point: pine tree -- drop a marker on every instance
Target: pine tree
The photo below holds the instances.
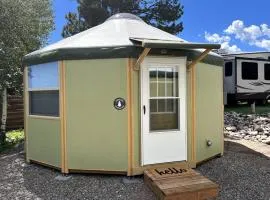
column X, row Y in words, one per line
column 163, row 14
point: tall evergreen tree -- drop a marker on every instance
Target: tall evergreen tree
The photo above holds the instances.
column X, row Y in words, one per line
column 163, row 14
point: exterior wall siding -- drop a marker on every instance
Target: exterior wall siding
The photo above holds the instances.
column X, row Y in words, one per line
column 97, row 133
column 209, row 110
column 44, row 141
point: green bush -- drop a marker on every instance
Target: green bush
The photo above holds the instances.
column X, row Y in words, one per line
column 15, row 136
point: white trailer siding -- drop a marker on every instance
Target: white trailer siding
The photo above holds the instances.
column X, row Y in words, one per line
column 229, row 79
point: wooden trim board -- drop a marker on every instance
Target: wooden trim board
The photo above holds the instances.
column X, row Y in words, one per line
column 62, row 103
column 130, row 116
column 44, row 164
column 193, row 111
column 141, row 58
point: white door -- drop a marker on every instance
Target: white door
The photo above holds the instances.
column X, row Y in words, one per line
column 163, row 114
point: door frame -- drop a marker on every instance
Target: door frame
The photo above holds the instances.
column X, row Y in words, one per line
column 162, row 60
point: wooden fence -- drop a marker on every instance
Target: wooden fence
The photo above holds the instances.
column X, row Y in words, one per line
column 15, row 114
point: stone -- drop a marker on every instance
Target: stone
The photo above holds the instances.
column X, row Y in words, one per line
column 249, row 127
column 247, row 137
column 131, row 180
column 62, row 177
column 259, row 129
column 231, row 128
column 253, row 133
column 263, row 137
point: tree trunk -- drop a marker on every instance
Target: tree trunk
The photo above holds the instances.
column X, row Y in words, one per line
column 3, row 117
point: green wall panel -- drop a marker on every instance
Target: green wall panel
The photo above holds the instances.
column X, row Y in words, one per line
column 96, row 131
column 209, row 109
column 44, row 141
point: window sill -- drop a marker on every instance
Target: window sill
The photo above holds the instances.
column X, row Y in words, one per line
column 43, row 117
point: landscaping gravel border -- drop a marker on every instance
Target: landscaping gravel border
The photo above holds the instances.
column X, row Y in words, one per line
column 241, row 174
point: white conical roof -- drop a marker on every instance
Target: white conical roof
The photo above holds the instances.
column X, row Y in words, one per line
column 115, row 31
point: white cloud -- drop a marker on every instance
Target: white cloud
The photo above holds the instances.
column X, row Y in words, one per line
column 216, row 38
column 242, row 32
column 254, row 35
column 265, row 44
column 226, row 46
column 224, row 40
column 265, row 30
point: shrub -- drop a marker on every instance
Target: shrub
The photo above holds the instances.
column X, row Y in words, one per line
column 15, row 136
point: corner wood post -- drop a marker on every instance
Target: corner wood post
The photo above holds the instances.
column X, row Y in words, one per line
column 62, row 103
column 130, row 116
column 193, row 111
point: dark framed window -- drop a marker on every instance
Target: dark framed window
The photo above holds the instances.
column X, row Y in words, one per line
column 267, row 71
column 43, row 88
column 249, row 70
column 228, row 69
column 44, row 103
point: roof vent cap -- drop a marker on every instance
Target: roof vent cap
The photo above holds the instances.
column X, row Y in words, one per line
column 125, row 16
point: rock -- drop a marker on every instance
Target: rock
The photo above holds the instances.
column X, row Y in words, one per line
column 253, row 133
column 263, row 137
column 249, row 127
column 231, row 128
column 259, row 129
column 267, row 141
column 247, row 137
column 62, row 177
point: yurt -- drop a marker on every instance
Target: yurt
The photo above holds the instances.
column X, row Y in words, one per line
column 123, row 97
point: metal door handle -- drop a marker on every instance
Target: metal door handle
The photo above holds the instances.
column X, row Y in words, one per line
column 144, row 110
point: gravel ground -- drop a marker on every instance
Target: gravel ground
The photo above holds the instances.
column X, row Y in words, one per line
column 241, row 174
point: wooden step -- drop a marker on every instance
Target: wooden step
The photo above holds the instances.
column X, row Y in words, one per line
column 174, row 183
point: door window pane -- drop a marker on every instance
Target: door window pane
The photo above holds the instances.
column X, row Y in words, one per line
column 153, row 105
column 161, row 89
column 161, row 121
column 153, row 89
column 43, row 76
column 44, row 103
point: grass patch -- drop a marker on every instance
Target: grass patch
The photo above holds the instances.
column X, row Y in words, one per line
column 246, row 109
column 12, row 138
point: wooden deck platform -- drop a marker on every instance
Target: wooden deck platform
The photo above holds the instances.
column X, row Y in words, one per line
column 174, row 183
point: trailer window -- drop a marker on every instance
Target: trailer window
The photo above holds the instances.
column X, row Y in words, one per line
column 249, row 71
column 267, row 71
column 228, row 68
column 43, row 89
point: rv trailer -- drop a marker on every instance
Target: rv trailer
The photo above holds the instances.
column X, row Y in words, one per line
column 247, row 77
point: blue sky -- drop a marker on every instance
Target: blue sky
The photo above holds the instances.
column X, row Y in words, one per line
column 239, row 25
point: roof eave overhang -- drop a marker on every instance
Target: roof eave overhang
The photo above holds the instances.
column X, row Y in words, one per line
column 178, row 45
